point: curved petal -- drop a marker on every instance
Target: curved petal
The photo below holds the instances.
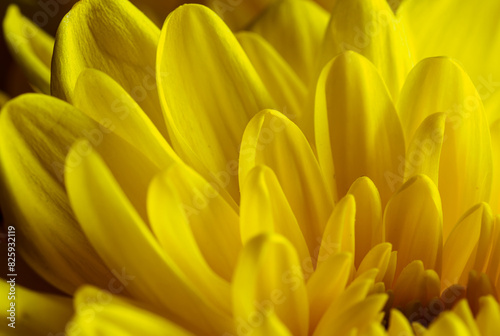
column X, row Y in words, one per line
column 143, row 268
column 268, row 284
column 413, row 221
column 34, row 313
column 104, row 100
column 265, row 209
column 424, row 150
column 368, row 224
column 489, row 316
column 495, row 146
column 35, row 133
column 101, row 313
column 287, row 90
column 326, row 284
column 433, row 27
column 369, row 27
column 465, row 162
column 273, row 140
column 30, row 46
column 399, row 325
column 207, row 100
column 448, row 323
column 464, row 248
column 295, row 28
column 126, row 52
column 339, row 232
column 213, row 223
column 357, row 129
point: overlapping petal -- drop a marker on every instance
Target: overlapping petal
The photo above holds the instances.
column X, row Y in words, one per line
column 369, row 28
column 273, row 140
column 358, row 132
column 30, row 46
column 126, row 52
column 209, row 93
column 36, row 132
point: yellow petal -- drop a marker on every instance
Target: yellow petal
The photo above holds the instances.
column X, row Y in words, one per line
column 368, row 224
column 357, row 129
column 26, row 312
column 488, row 318
column 36, row 131
column 462, row 250
column 464, row 313
column 432, row 28
column 339, row 232
column 369, row 27
column 465, row 163
column 269, row 292
column 358, row 317
column 237, row 14
column 413, row 222
column 265, row 209
column 273, row 140
column 398, row 325
column 204, row 214
column 127, row 52
column 30, row 46
column 105, row 213
column 101, row 313
column 104, row 100
column 355, row 293
column 4, row 98
column 207, row 101
column 295, row 28
column 495, row 186
column 424, row 149
column 448, row 323
column 326, row 284
column 493, row 269
column 478, row 285
column 379, row 258
column 181, row 234
column 286, row 88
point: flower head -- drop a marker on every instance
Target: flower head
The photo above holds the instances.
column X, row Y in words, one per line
column 311, row 175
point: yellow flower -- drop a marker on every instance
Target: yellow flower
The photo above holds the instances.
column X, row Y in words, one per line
column 311, row 175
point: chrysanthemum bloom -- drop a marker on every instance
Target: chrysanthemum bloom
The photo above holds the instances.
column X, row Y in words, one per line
column 302, row 177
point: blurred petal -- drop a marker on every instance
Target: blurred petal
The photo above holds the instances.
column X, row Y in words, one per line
column 295, row 28
column 287, row 90
column 207, row 100
column 35, row 133
column 268, row 283
column 273, row 140
column 126, row 52
column 150, row 274
column 369, row 27
column 357, row 129
column 464, row 313
column 101, row 313
column 448, row 323
column 495, row 187
column 413, row 222
column 36, row 314
column 488, row 318
column 265, row 209
column 30, row 46
column 399, row 325
column 433, row 27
